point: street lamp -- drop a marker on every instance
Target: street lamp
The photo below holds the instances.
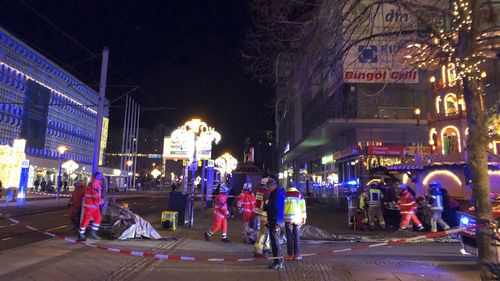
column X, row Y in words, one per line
column 227, row 163
column 193, row 133
column 129, row 165
column 61, row 149
column 417, row 113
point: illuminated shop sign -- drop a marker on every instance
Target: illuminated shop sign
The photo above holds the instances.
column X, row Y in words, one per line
column 422, row 150
column 327, row 159
column 386, row 150
column 381, row 161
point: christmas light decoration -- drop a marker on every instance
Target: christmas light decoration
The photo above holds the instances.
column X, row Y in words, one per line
column 438, row 173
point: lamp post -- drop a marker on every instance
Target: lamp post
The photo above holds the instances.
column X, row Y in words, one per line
column 61, row 149
column 129, row 170
column 198, row 136
column 227, row 163
column 417, row 114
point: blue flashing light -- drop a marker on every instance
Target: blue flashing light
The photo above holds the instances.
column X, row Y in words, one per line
column 464, row 220
column 352, row 182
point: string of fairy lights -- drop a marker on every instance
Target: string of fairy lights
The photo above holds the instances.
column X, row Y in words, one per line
column 446, row 40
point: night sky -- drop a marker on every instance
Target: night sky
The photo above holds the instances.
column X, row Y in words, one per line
column 183, row 54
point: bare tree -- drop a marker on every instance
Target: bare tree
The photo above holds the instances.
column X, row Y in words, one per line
column 315, row 38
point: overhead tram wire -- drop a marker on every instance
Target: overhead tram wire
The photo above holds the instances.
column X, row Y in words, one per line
column 85, row 49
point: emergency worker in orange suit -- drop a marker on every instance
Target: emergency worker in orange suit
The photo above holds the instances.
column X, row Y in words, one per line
column 246, row 203
column 220, row 215
column 75, row 203
column 92, row 200
column 407, row 206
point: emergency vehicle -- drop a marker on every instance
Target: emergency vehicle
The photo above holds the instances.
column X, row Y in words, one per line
column 468, row 237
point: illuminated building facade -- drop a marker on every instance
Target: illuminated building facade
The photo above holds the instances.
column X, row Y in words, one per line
column 448, row 132
column 45, row 105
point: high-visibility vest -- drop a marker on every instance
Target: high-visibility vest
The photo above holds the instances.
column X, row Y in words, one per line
column 220, row 205
column 295, row 206
column 407, row 204
column 374, row 198
column 246, row 202
column 437, row 202
column 92, row 197
column 261, row 199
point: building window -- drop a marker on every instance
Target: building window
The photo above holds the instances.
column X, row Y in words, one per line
column 450, row 140
column 450, row 104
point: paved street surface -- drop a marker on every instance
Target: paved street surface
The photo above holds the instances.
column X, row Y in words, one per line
column 27, row 255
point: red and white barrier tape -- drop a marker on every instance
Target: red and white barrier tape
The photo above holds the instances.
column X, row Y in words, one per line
column 163, row 256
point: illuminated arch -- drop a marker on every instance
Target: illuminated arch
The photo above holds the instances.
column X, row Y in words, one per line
column 373, row 181
column 431, row 136
column 457, row 132
column 450, row 98
column 441, row 172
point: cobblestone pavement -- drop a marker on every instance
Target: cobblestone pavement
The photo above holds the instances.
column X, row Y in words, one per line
column 58, row 260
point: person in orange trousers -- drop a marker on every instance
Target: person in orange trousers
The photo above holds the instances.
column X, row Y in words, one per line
column 220, row 215
column 407, row 206
column 92, row 200
column 75, row 203
column 246, row 203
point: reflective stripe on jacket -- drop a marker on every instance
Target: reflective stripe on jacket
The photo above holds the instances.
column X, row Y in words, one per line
column 246, row 202
column 407, row 204
column 92, row 197
column 437, row 202
column 220, row 205
column 261, row 199
column 295, row 206
column 374, row 197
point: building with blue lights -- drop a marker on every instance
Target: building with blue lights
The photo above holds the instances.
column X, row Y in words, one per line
column 48, row 107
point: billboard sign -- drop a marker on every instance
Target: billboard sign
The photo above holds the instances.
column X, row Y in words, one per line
column 182, row 149
column 379, row 59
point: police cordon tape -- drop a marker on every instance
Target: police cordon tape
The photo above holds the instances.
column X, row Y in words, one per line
column 162, row 256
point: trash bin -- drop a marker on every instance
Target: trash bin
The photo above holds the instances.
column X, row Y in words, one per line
column 177, row 202
column 169, row 220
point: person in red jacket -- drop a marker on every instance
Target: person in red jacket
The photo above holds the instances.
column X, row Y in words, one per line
column 75, row 203
column 407, row 207
column 246, row 203
column 220, row 215
column 91, row 202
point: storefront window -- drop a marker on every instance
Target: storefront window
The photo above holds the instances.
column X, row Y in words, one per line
column 450, row 138
column 450, row 104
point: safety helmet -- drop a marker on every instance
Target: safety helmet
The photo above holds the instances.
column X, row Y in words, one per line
column 434, row 184
column 247, row 186
column 79, row 183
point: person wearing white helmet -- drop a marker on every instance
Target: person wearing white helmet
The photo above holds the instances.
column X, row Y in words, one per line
column 436, row 206
column 220, row 215
column 246, row 203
